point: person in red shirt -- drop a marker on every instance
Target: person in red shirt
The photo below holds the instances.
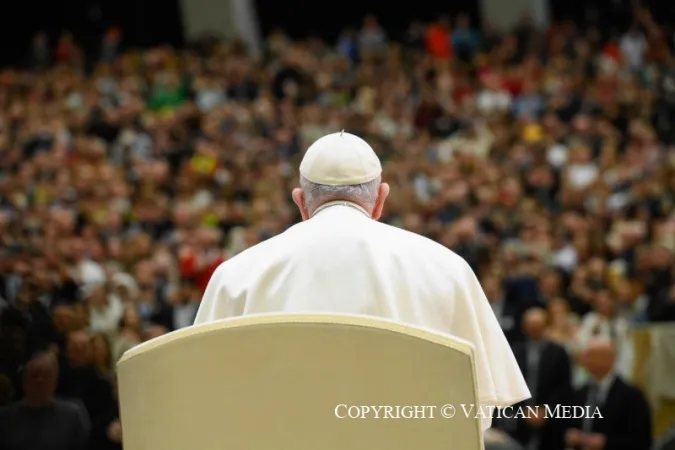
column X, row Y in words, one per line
column 611, row 50
column 65, row 49
column 437, row 39
column 513, row 81
column 200, row 257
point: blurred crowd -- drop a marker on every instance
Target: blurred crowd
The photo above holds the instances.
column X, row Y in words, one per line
column 546, row 158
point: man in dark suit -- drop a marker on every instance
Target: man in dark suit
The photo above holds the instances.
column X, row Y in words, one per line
column 180, row 309
column 507, row 306
column 39, row 420
column 80, row 380
column 626, row 418
column 547, row 369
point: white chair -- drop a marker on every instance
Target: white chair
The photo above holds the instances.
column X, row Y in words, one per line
column 273, row 382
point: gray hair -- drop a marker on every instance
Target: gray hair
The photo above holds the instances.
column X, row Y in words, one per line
column 317, row 194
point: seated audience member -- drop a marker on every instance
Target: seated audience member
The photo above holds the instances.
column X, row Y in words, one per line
column 39, row 421
column 546, row 367
column 562, row 329
column 154, row 330
column 36, row 315
column 181, row 308
column 550, row 284
column 105, row 309
column 522, row 287
column 581, row 290
column 14, row 347
column 129, row 333
column 65, row 318
column 626, row 417
column 82, row 381
column 508, row 310
column 631, row 302
column 109, row 435
column 125, row 287
column 604, row 322
column 563, row 324
column 102, row 354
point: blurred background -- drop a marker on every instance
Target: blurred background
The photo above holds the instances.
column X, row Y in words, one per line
column 142, row 143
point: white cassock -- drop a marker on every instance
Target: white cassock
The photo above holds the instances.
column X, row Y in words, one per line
column 342, row 261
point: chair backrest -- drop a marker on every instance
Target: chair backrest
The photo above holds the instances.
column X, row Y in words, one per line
column 291, row 382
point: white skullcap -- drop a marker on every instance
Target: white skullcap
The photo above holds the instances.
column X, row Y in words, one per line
column 340, row 159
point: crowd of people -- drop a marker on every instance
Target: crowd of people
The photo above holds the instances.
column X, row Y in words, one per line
column 546, row 158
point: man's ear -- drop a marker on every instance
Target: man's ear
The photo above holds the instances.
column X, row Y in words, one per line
column 382, row 194
column 299, row 199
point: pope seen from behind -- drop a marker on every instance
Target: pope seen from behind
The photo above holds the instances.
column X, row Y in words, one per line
column 341, row 260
